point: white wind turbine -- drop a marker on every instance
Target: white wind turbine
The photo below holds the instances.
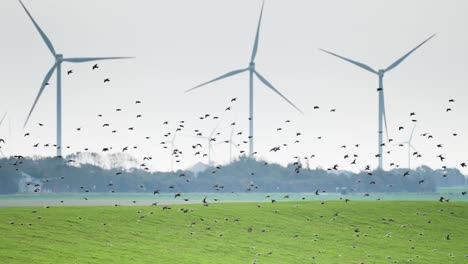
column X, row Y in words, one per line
column 380, row 73
column 231, row 144
column 174, row 150
column 57, row 68
column 252, row 72
column 410, row 146
column 1, row 122
column 210, row 139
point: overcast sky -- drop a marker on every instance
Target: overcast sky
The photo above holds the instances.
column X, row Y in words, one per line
column 179, row 44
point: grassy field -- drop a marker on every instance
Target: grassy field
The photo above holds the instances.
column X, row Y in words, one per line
column 283, row 232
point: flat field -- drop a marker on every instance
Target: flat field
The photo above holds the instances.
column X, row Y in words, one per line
column 261, row 232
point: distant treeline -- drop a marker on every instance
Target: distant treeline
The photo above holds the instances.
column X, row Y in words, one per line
column 243, row 175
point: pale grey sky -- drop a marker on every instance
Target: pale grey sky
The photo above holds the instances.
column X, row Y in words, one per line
column 179, row 44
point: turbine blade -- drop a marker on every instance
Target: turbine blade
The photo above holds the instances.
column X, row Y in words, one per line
column 255, row 47
column 3, row 118
column 78, row 60
column 199, row 137
column 1, row 152
column 235, row 145
column 362, row 65
column 43, row 85
column 43, row 35
column 413, row 147
column 219, row 78
column 275, row 90
column 411, row 136
column 396, row 63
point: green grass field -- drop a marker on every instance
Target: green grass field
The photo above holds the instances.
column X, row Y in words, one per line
column 284, row 232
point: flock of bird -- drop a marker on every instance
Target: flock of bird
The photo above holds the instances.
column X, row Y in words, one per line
column 205, row 142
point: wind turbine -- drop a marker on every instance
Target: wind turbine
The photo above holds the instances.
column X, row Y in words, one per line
column 209, row 140
column 231, row 144
column 252, row 72
column 410, row 146
column 1, row 122
column 174, row 150
column 380, row 73
column 57, row 66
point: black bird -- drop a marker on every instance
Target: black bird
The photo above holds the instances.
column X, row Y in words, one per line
column 441, row 157
column 95, row 66
column 106, row 80
column 69, row 72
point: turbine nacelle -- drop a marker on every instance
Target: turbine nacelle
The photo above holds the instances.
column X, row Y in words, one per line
column 252, row 66
column 58, row 57
column 381, row 73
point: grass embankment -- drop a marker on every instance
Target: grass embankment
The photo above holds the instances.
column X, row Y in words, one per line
column 286, row 232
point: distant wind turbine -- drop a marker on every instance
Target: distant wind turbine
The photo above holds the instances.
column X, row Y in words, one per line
column 410, row 146
column 174, row 150
column 57, row 66
column 1, row 122
column 231, row 144
column 252, row 71
column 380, row 73
column 3, row 118
column 210, row 140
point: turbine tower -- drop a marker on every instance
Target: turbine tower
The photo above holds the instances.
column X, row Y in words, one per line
column 57, row 66
column 380, row 73
column 252, row 72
